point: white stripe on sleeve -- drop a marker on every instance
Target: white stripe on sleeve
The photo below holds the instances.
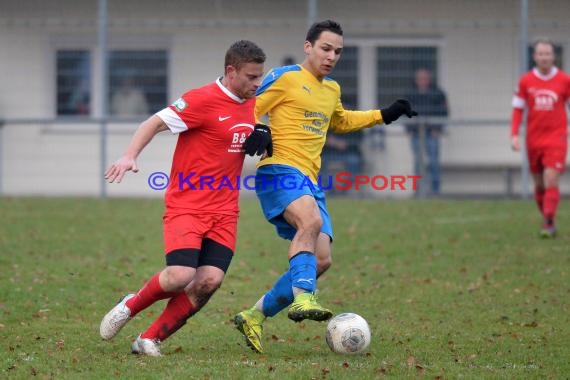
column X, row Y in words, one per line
column 172, row 120
column 518, row 102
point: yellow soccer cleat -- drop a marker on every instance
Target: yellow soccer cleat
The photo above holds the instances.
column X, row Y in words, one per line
column 250, row 323
column 305, row 306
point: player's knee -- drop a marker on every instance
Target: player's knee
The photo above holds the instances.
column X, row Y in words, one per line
column 311, row 223
column 176, row 278
column 550, row 184
column 550, row 179
column 208, row 285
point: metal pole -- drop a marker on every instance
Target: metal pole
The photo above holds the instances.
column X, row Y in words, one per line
column 1, row 156
column 103, row 65
column 423, row 182
column 524, row 68
column 312, row 8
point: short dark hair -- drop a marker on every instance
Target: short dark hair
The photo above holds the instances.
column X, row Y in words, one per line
column 242, row 52
column 543, row 41
column 317, row 28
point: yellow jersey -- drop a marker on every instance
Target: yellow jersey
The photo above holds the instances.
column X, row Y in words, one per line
column 301, row 110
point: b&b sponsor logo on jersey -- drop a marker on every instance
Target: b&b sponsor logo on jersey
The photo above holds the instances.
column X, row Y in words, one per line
column 544, row 100
column 239, row 134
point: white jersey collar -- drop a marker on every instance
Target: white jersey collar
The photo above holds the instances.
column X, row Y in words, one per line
column 228, row 92
column 550, row 75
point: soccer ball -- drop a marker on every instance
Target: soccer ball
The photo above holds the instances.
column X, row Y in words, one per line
column 348, row 333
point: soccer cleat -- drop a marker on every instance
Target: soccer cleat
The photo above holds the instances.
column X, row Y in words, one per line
column 114, row 321
column 142, row 346
column 250, row 323
column 548, row 231
column 305, row 306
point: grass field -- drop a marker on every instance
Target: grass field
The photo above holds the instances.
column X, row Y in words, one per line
column 451, row 289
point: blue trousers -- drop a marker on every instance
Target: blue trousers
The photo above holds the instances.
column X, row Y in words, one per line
column 431, row 147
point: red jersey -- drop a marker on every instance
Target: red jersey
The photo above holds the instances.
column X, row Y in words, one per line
column 212, row 124
column 545, row 97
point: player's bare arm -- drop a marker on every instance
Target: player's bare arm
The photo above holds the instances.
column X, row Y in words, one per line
column 144, row 134
column 515, row 143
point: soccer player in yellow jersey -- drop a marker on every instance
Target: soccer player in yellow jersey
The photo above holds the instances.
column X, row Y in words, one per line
column 302, row 104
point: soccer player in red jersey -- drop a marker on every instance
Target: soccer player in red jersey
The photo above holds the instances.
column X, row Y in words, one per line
column 200, row 220
column 543, row 91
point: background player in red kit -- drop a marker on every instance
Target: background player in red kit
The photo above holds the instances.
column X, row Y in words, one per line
column 200, row 222
column 544, row 91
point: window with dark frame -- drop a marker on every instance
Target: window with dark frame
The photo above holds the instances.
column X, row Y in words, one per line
column 395, row 68
column 73, row 83
column 137, row 82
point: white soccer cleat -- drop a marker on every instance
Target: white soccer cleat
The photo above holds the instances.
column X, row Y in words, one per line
column 148, row 347
column 114, row 321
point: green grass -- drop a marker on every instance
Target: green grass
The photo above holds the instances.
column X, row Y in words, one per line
column 451, row 289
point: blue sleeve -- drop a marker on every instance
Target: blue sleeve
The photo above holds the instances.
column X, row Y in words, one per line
column 273, row 75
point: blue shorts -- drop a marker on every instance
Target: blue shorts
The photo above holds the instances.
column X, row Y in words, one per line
column 279, row 185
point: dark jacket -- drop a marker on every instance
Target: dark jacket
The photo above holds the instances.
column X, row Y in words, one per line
column 430, row 103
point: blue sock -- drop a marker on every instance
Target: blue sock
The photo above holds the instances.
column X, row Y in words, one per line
column 279, row 297
column 303, row 269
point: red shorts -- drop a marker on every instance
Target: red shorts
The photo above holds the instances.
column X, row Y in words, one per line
column 188, row 230
column 546, row 157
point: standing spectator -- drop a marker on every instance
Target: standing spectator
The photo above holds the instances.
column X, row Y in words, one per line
column 129, row 100
column 543, row 91
column 429, row 100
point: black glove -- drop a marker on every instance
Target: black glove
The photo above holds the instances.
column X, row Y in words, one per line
column 398, row 108
column 259, row 141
